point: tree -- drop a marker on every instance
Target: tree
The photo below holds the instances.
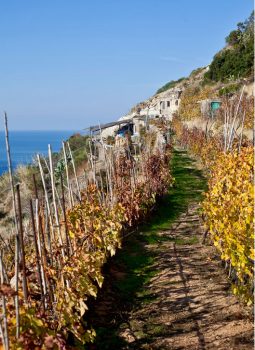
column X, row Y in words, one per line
column 234, row 37
column 236, row 60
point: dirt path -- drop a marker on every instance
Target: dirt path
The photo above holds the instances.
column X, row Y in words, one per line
column 165, row 289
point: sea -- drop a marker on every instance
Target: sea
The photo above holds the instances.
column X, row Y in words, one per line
column 24, row 146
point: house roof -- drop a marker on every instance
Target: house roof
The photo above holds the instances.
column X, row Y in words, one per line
column 99, row 127
column 109, row 125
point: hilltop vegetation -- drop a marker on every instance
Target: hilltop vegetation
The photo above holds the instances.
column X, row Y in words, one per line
column 171, row 84
column 236, row 59
column 232, row 63
column 224, row 77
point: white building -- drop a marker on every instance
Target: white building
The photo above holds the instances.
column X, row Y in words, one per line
column 163, row 105
column 169, row 102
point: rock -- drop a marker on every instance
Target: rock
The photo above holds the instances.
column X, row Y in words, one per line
column 127, row 335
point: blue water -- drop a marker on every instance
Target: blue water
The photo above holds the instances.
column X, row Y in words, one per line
column 25, row 145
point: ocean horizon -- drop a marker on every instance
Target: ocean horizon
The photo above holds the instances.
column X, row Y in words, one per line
column 25, row 144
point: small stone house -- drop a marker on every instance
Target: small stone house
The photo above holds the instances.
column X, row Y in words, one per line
column 209, row 107
column 169, row 103
column 163, row 105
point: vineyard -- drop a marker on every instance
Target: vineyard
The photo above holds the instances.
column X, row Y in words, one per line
column 59, row 239
column 51, row 262
column 127, row 208
column 227, row 157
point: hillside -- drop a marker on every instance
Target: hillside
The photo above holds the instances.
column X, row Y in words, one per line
column 230, row 65
column 143, row 238
column 230, row 70
column 236, row 60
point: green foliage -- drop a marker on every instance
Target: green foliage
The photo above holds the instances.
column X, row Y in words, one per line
column 196, row 71
column 229, row 90
column 80, row 155
column 59, row 169
column 79, row 145
column 77, row 141
column 234, row 37
column 236, row 60
column 169, row 85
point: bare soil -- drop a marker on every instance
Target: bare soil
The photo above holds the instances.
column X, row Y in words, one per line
column 193, row 307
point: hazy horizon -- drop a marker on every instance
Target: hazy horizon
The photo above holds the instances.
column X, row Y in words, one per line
column 68, row 65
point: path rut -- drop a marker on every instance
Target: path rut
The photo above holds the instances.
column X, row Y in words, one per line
column 193, row 306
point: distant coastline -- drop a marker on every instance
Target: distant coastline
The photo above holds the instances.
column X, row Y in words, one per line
column 26, row 144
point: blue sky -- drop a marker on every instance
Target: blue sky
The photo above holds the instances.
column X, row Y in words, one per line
column 67, row 64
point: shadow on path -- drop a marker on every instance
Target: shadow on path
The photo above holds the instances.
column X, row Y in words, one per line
column 164, row 289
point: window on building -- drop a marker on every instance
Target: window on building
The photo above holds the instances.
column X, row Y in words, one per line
column 176, row 102
column 163, row 104
column 168, row 103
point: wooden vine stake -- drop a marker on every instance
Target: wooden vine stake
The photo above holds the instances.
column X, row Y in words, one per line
column 4, row 330
column 68, row 241
column 241, row 133
column 54, row 202
column 45, row 191
column 92, row 164
column 56, row 191
column 41, row 231
column 108, row 177
column 74, row 171
column 71, row 201
column 38, row 260
column 17, row 245
column 23, row 257
column 40, row 249
column 232, row 129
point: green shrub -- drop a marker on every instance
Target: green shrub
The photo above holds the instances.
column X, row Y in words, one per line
column 77, row 141
column 236, row 60
column 229, row 90
column 196, row 72
column 169, row 85
column 79, row 145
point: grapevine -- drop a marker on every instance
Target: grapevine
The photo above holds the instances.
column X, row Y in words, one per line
column 63, row 262
column 228, row 204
